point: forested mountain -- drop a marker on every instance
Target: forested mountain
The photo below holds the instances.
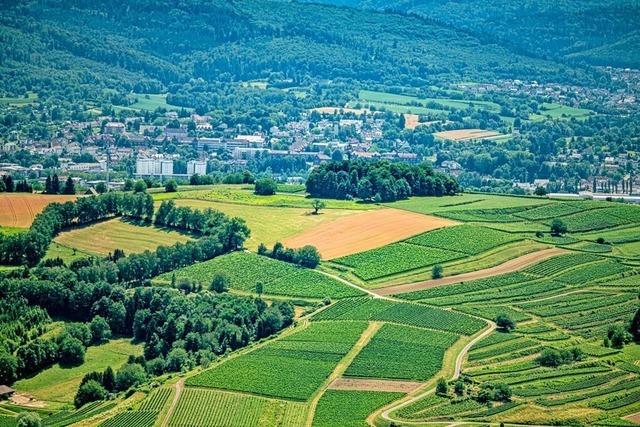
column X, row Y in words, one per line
column 78, row 48
column 592, row 31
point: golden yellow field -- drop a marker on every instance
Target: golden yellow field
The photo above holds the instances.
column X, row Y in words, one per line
column 466, row 134
column 365, row 230
column 19, row 209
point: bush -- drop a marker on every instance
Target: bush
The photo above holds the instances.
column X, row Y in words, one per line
column 71, row 351
column 28, row 419
column 100, row 330
column 442, row 388
column 219, row 283
column 436, row 271
column 90, row 391
column 265, row 187
column 505, row 323
column 177, row 359
column 558, row 227
column 130, row 375
column 8, row 368
column 171, row 186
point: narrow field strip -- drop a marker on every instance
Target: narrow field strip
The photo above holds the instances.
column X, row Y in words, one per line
column 373, row 384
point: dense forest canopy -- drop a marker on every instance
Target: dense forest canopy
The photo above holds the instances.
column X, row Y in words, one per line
column 593, row 31
column 78, row 49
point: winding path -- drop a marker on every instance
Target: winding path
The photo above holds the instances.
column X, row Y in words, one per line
column 386, row 414
column 506, row 267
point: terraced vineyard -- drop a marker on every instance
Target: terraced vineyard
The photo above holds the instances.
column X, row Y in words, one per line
column 385, row 356
column 213, row 408
column 244, row 270
column 290, row 368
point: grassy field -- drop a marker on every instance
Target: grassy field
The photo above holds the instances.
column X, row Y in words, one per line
column 393, row 99
column 244, row 195
column 104, row 237
column 271, row 224
column 559, row 111
column 58, row 384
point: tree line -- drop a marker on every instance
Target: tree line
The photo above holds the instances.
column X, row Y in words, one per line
column 28, row 248
column 306, row 256
column 378, row 181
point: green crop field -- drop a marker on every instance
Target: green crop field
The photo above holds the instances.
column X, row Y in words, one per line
column 467, row 239
column 214, row 408
column 244, row 270
column 132, row 418
column 349, row 408
column 104, row 237
column 401, row 313
column 385, row 356
column 285, row 370
column 395, row 258
column 59, row 384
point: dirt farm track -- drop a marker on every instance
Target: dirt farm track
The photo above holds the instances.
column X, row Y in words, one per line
column 19, row 209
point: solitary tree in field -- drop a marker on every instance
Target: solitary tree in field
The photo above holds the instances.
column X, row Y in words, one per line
column 558, row 227
column 259, row 288
column 505, row 323
column 436, row 272
column 317, row 205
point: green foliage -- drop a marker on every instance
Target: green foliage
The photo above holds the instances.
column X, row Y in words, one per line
column 265, row 187
column 90, row 391
column 388, row 181
column 349, row 408
column 468, row 239
column 171, row 186
column 402, row 352
column 244, row 270
column 292, row 367
column 213, row 408
column 401, row 313
column 436, row 271
column 130, row 375
column 131, row 418
column 156, row 400
column 504, row 322
column 558, row 227
column 395, row 258
column 28, row 419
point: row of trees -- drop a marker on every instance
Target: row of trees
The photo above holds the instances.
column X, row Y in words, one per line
column 29, row 247
column 185, row 218
column 306, row 256
column 378, row 181
column 52, row 186
column 7, row 184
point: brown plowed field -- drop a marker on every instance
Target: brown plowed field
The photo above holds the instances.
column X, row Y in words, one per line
column 19, row 209
column 363, row 231
column 367, row 384
column 506, row 267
